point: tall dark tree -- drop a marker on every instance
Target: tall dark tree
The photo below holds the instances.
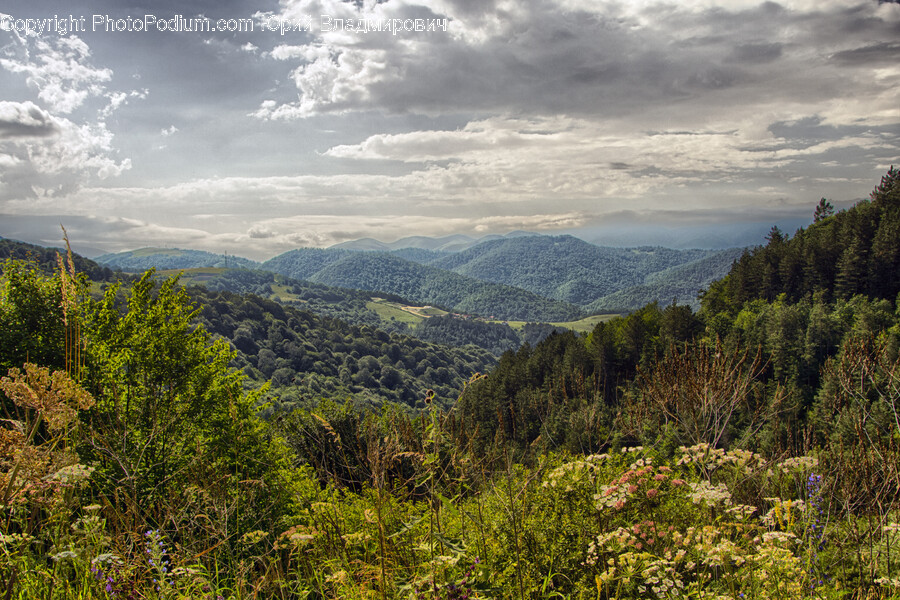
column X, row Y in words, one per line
column 823, row 211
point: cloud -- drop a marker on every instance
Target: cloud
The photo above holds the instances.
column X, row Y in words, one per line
column 523, row 114
column 25, row 120
column 587, row 59
column 59, row 69
column 51, row 150
column 583, row 159
column 886, row 53
column 57, row 164
column 594, row 103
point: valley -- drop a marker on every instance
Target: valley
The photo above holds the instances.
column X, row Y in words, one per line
column 365, row 428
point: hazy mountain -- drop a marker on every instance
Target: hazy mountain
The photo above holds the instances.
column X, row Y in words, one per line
column 719, row 236
column 137, row 261
column 450, row 243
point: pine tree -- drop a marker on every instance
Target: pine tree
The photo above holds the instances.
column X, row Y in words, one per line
column 823, row 211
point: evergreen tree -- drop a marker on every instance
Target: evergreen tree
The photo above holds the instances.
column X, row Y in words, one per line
column 823, row 210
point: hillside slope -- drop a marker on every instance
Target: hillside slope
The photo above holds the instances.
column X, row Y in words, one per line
column 138, row 261
column 386, row 273
column 682, row 284
column 564, row 268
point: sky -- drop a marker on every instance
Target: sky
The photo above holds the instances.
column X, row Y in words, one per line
column 313, row 122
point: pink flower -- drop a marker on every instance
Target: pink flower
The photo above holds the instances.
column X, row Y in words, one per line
column 652, row 493
column 678, row 482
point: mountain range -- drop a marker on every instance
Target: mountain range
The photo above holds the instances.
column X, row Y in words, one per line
column 520, row 276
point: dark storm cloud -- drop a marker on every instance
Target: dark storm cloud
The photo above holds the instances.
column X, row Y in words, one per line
column 603, row 59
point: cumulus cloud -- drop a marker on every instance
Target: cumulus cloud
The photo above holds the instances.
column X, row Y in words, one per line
column 53, row 148
column 25, row 120
column 543, row 115
column 49, row 165
column 59, row 69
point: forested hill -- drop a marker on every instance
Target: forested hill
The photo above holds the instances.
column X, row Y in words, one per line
column 564, row 267
column 356, row 307
column 46, row 259
column 309, row 357
column 543, row 278
column 386, row 273
column 138, row 261
column 681, row 283
column 800, row 341
column 856, row 251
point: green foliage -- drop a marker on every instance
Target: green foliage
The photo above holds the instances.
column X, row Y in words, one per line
column 683, row 283
column 31, row 317
column 454, row 331
column 309, row 357
column 387, row 273
column 168, row 411
column 304, row 263
column 565, row 268
column 853, row 252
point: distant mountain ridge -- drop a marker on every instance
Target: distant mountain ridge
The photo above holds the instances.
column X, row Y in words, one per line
column 172, row 258
column 519, row 276
column 388, row 273
column 564, row 267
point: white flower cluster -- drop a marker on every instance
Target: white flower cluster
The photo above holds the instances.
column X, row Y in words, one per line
column 570, row 473
column 72, row 474
column 741, row 512
column 709, row 494
column 661, row 577
column 888, row 582
column 712, row 458
column 798, row 463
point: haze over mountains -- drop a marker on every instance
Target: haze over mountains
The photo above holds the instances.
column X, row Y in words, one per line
column 520, row 276
column 448, row 243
